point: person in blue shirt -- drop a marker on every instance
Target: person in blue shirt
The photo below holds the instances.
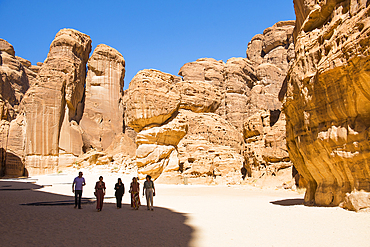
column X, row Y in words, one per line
column 77, row 185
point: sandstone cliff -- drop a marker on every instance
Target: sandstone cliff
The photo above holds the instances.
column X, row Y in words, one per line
column 215, row 123
column 14, row 83
column 103, row 112
column 219, row 120
column 327, row 99
column 52, row 102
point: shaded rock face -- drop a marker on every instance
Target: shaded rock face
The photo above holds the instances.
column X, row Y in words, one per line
column 254, row 108
column 51, row 105
column 14, row 83
column 103, row 112
column 327, row 99
column 219, row 119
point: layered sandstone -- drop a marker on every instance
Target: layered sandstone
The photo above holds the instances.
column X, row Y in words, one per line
column 103, row 111
column 14, row 83
column 61, row 118
column 52, row 103
column 327, row 100
column 151, row 99
column 219, row 120
column 214, row 124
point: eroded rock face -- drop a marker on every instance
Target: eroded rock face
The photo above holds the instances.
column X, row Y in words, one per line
column 103, row 112
column 218, row 102
column 327, row 104
column 54, row 97
column 211, row 149
column 152, row 99
column 207, row 126
column 206, row 115
column 14, row 83
column 264, row 124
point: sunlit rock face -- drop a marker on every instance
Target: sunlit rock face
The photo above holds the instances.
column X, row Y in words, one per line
column 52, row 103
column 151, row 99
column 327, row 103
column 214, row 123
column 218, row 119
column 103, row 112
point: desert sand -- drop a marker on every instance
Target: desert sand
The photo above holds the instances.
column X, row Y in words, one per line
column 184, row 215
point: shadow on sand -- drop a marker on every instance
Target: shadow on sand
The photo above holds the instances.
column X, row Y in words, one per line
column 57, row 223
column 289, row 202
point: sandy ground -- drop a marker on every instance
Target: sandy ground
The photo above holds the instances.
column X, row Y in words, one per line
column 184, row 215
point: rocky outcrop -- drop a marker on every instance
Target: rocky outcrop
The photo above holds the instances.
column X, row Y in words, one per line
column 103, row 112
column 327, row 99
column 219, row 119
column 51, row 105
column 62, row 121
column 14, row 83
column 264, row 123
column 151, row 98
column 210, row 125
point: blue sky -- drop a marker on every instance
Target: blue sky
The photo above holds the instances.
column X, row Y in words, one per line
column 161, row 34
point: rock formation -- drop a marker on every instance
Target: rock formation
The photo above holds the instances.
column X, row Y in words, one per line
column 327, row 103
column 51, row 105
column 103, row 112
column 59, row 119
column 215, row 123
column 219, row 119
column 14, row 83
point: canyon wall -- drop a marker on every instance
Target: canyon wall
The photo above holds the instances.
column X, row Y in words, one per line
column 219, row 121
column 53, row 101
column 53, row 114
column 327, row 102
column 14, row 83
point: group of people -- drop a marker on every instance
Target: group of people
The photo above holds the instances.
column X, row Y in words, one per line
column 119, row 187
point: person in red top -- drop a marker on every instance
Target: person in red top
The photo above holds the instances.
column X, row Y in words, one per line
column 99, row 193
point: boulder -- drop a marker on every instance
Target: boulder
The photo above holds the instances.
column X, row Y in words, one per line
column 198, row 96
column 356, row 201
column 153, row 159
column 152, row 99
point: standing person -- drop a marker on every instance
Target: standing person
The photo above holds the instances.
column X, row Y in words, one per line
column 135, row 193
column 120, row 191
column 79, row 182
column 149, row 192
column 99, row 193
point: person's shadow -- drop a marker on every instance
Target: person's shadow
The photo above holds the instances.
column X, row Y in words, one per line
column 33, row 218
column 289, row 202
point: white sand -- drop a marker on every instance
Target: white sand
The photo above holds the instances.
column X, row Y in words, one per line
column 234, row 216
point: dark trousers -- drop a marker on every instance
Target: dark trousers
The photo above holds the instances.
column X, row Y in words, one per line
column 78, row 193
column 119, row 201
